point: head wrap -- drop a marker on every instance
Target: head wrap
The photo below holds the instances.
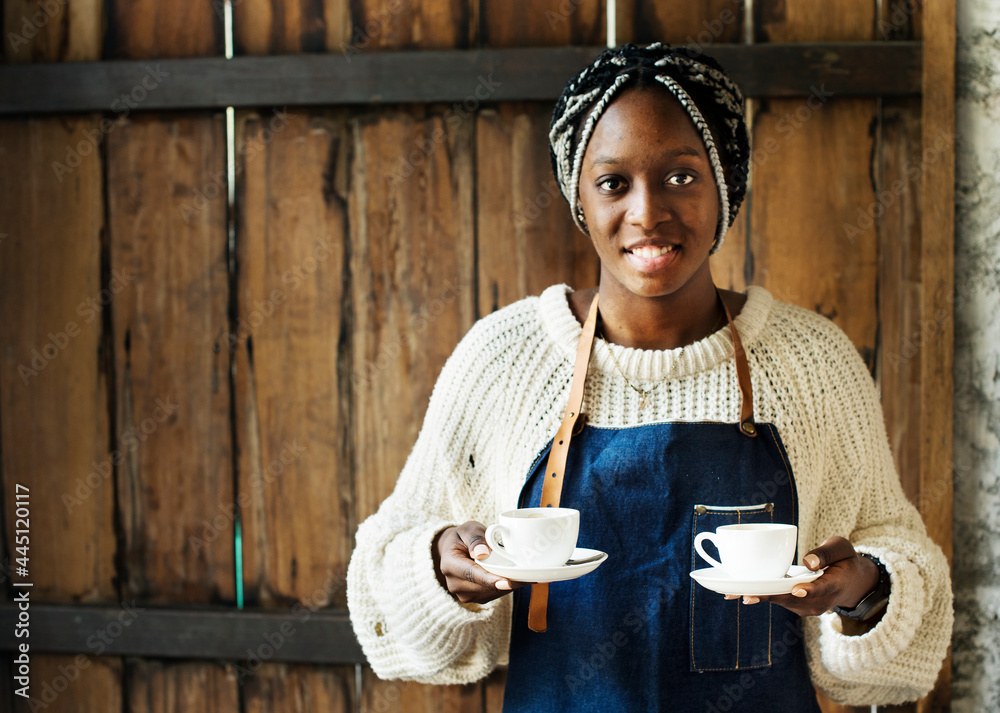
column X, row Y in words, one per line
column 700, row 85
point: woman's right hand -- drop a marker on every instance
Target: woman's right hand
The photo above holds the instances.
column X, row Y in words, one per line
column 455, row 551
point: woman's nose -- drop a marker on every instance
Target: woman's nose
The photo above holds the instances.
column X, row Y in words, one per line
column 646, row 209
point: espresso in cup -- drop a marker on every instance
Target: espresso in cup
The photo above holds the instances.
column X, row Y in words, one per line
column 751, row 551
column 536, row 537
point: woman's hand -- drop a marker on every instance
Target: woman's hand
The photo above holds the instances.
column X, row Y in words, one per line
column 455, row 551
column 847, row 579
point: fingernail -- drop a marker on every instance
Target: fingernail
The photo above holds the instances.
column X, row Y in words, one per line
column 503, row 584
column 798, row 592
column 812, row 561
column 480, row 552
column 750, row 600
column 732, row 596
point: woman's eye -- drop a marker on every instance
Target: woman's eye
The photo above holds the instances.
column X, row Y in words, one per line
column 610, row 184
column 680, row 179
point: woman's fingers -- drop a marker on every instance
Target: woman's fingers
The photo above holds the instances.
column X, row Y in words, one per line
column 833, row 549
column 457, row 569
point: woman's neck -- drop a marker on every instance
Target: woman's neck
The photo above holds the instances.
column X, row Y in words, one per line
column 665, row 322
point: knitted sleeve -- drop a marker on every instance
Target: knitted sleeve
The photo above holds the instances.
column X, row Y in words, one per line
column 899, row 659
column 408, row 625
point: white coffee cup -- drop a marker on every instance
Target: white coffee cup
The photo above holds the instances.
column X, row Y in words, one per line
column 751, row 551
column 536, row 537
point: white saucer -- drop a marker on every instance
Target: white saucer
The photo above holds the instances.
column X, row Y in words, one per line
column 718, row 581
column 499, row 565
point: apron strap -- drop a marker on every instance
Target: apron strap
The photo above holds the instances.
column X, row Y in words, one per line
column 556, row 466
column 747, row 427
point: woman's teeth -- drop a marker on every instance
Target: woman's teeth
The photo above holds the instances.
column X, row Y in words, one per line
column 650, row 252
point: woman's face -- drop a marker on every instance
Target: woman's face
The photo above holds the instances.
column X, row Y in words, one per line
column 649, row 196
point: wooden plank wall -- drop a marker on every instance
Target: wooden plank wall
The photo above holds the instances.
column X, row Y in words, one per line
column 279, row 379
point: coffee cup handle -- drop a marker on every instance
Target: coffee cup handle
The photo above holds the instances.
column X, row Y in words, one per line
column 701, row 550
column 491, row 538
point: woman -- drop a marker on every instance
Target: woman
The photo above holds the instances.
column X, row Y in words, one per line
column 701, row 408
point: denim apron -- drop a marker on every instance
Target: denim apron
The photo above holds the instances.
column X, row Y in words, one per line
column 638, row 634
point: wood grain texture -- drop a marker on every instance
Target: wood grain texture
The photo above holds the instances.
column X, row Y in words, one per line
column 412, row 279
column 158, row 687
column 900, row 274
column 408, row 697
column 72, row 684
column 53, row 381
column 535, row 23
column 694, row 23
column 280, row 688
column 937, row 299
column 155, row 29
column 168, row 233
column 412, row 289
column 290, row 341
column 262, row 27
column 53, row 387
column 411, row 24
column 526, row 239
column 38, row 31
column 808, row 245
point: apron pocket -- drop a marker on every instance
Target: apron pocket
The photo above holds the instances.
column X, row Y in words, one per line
column 727, row 635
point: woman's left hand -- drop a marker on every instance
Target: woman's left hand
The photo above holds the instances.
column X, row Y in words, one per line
column 847, row 579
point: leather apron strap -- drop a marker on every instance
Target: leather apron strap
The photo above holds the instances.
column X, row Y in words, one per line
column 556, row 467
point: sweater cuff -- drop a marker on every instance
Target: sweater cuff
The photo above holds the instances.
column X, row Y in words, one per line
column 430, row 628
column 859, row 658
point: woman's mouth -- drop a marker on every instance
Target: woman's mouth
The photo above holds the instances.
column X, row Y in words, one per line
column 649, row 258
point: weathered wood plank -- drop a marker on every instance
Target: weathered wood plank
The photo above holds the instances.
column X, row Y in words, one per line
column 291, row 344
column 938, row 289
column 409, row 697
column 536, row 23
column 70, row 684
column 695, row 23
column 175, row 486
column 267, row 27
column 412, row 288
column 51, row 31
column 815, row 181
column 526, row 239
column 54, row 430
column 152, row 29
column 299, row 689
column 157, row 687
column 855, row 69
column 379, row 25
column 53, row 387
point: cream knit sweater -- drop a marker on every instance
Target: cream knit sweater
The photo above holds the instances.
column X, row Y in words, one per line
column 500, row 399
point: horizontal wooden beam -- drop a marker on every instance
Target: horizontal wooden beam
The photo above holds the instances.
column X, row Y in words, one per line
column 465, row 76
column 300, row 635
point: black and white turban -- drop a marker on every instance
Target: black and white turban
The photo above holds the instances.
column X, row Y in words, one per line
column 698, row 82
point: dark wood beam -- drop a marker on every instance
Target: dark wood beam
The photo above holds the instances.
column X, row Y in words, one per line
column 473, row 76
column 300, row 635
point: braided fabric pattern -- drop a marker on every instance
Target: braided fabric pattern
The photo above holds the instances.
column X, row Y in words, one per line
column 700, row 85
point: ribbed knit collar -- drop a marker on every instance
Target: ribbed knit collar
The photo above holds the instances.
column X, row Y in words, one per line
column 648, row 364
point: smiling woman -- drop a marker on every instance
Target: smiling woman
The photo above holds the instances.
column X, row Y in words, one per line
column 703, row 408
